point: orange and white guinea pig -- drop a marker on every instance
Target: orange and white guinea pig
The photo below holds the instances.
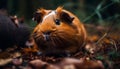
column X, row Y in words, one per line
column 58, row 30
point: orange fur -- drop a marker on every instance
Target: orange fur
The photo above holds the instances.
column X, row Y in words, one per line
column 41, row 10
column 70, row 35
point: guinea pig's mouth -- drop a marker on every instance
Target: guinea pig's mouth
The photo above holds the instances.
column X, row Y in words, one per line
column 58, row 40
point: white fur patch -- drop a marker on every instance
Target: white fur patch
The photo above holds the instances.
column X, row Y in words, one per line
column 52, row 13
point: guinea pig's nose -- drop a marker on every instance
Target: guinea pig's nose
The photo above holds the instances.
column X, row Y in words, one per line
column 46, row 35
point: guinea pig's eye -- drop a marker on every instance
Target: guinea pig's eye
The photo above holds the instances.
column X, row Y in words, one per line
column 57, row 21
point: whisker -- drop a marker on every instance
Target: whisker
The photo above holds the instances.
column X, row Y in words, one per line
column 53, row 41
column 38, row 37
column 59, row 40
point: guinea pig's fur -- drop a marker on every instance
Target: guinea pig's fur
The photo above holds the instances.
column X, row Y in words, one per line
column 58, row 30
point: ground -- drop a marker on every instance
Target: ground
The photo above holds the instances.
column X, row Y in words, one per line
column 102, row 51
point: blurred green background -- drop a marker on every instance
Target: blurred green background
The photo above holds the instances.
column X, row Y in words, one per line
column 98, row 12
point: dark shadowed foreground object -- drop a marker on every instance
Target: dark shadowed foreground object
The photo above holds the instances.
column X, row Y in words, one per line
column 22, row 32
column 58, row 30
column 7, row 31
column 12, row 34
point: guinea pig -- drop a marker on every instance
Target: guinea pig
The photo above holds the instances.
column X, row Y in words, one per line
column 58, row 30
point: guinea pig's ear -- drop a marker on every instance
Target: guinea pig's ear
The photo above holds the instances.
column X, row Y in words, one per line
column 64, row 16
column 38, row 15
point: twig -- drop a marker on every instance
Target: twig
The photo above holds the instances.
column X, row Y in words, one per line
column 113, row 42
column 101, row 38
column 107, row 32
